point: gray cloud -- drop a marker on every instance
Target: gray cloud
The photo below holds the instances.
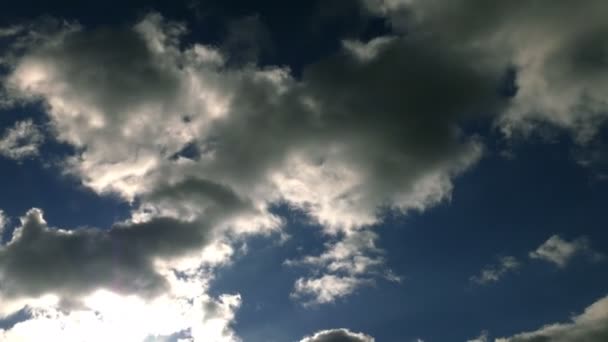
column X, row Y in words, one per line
column 558, row 49
column 360, row 133
column 3, row 223
column 40, row 260
column 338, row 335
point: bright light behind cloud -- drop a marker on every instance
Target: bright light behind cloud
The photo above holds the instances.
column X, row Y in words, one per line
column 107, row 316
column 207, row 151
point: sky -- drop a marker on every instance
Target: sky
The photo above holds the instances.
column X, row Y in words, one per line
column 304, row 171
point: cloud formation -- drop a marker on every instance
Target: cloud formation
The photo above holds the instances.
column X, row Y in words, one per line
column 338, row 335
column 590, row 326
column 559, row 251
column 21, row 141
column 493, row 273
column 129, row 282
column 556, row 48
column 185, row 135
column 203, row 146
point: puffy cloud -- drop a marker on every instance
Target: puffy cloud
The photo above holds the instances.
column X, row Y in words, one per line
column 187, row 137
column 558, row 49
column 326, row 289
column 21, row 141
column 559, row 251
column 493, row 273
column 590, row 326
column 353, row 254
column 338, row 335
column 68, row 263
column 347, row 263
column 126, row 283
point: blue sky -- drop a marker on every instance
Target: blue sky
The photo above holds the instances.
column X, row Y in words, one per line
column 318, row 171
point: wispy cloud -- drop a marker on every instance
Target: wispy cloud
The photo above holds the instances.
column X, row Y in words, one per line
column 494, row 273
column 560, row 252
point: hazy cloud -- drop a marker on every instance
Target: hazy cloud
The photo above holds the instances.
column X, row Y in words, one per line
column 326, row 289
column 493, row 273
column 559, row 251
column 3, row 223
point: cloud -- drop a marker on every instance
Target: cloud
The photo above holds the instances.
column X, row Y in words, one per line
column 338, row 335
column 556, row 47
column 493, row 273
column 347, row 263
column 326, row 289
column 181, row 133
column 559, row 251
column 3, row 223
column 21, row 141
column 590, row 326
column 68, row 263
column 482, row 338
column 128, row 282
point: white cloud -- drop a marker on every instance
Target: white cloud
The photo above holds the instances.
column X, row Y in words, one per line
column 338, row 335
column 326, row 289
column 493, row 273
column 21, row 141
column 590, row 326
column 559, row 251
column 347, row 263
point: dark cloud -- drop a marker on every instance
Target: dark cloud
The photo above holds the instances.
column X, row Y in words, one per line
column 558, row 49
column 247, row 40
column 40, row 260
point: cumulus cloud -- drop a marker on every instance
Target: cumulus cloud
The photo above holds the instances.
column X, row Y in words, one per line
column 338, row 335
column 106, row 316
column 21, row 141
column 128, row 282
column 559, row 251
column 188, row 137
column 590, row 326
column 557, row 48
column 40, row 259
column 347, row 262
column 493, row 273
